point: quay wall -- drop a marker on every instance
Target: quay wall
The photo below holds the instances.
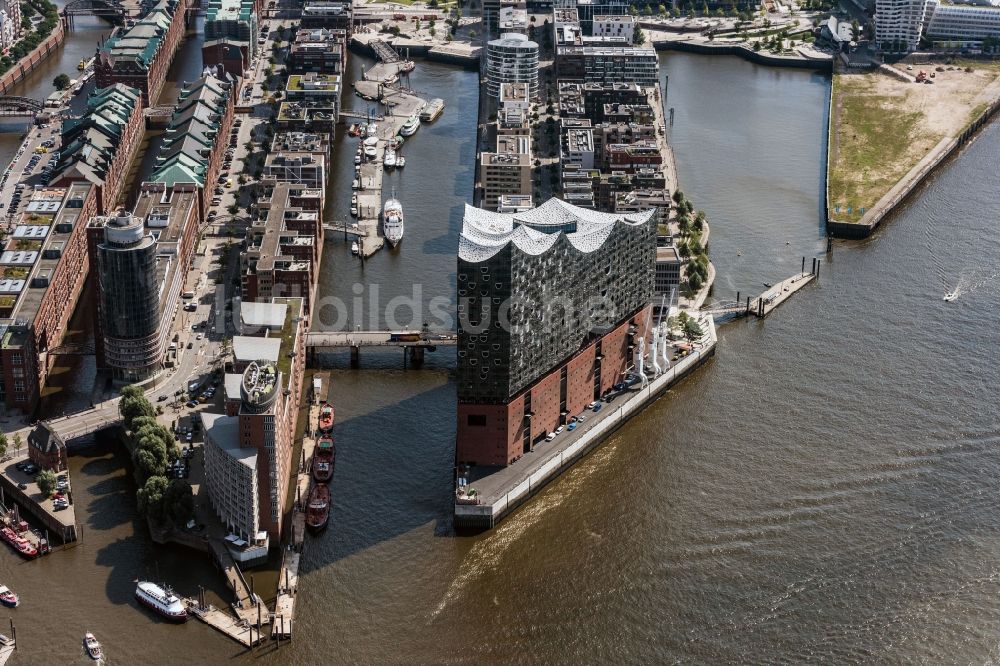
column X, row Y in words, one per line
column 40, row 516
column 430, row 52
column 486, row 516
column 28, row 63
column 908, row 184
column 798, row 62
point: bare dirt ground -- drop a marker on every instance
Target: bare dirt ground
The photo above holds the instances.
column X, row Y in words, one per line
column 883, row 125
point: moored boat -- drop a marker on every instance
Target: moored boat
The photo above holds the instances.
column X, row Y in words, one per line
column 318, row 507
column 93, row 646
column 371, row 130
column 325, row 418
column 8, row 597
column 324, row 459
column 410, row 127
column 371, row 152
column 390, row 158
column 355, row 249
column 82, row 65
column 354, row 131
column 392, row 221
column 400, row 162
column 432, row 110
column 23, row 547
column 161, row 600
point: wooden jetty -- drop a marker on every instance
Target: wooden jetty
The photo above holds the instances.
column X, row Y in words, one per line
column 767, row 302
column 288, row 575
column 242, row 631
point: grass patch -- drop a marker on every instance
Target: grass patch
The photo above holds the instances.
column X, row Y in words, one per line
column 876, row 143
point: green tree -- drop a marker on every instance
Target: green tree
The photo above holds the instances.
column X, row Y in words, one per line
column 639, row 38
column 134, row 404
column 150, row 497
column 678, row 197
column 178, row 501
column 18, row 443
column 61, row 82
column 3, row 445
column 691, row 328
column 46, row 481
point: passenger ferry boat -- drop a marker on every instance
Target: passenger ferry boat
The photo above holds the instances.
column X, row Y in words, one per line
column 8, row 597
column 23, row 547
column 410, row 127
column 392, row 221
column 161, row 600
column 324, row 459
column 318, row 508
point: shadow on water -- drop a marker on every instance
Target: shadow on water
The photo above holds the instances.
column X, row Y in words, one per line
column 389, row 480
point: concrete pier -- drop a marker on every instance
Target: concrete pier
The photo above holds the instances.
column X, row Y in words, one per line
column 502, row 490
column 241, row 631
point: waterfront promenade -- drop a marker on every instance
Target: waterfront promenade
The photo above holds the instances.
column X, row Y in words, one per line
column 501, row 490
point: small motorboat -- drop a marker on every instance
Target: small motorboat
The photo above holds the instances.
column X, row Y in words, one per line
column 950, row 296
column 357, row 158
column 356, row 184
column 325, row 418
column 82, row 65
column 400, row 162
column 371, row 152
column 354, row 248
column 93, row 646
column 353, row 131
column 390, row 159
column 371, row 130
column 354, row 211
column 8, row 597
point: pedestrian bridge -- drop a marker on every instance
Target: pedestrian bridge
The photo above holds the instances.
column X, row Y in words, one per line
column 379, row 339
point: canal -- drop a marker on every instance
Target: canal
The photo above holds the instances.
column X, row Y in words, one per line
column 823, row 490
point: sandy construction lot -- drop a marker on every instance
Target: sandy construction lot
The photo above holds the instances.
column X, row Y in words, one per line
column 881, row 126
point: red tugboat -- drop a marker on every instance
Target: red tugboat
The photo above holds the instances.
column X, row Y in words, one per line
column 324, row 459
column 318, row 509
column 23, row 547
column 326, row 418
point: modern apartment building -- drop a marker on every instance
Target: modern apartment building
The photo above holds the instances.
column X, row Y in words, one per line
column 195, row 140
column 961, row 22
column 512, row 58
column 10, row 22
column 99, row 146
column 312, row 87
column 296, row 167
column 43, row 268
column 551, row 303
column 250, row 465
column 607, row 65
column 507, row 171
column 620, row 28
column 899, row 24
column 232, row 28
column 284, row 245
column 140, row 261
column 140, row 55
column 334, row 14
column 318, row 50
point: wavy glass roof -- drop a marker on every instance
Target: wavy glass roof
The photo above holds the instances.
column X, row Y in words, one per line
column 484, row 233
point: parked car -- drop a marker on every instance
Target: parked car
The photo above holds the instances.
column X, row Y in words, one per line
column 571, row 426
column 549, row 437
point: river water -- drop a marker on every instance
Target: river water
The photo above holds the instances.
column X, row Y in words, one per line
column 822, row 490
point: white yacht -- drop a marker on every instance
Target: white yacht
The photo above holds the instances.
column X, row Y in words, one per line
column 390, row 158
column 410, row 127
column 400, row 161
column 392, row 220
column 371, row 130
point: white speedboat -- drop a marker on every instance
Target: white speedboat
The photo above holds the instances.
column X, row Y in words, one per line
column 410, row 127
column 392, row 220
column 400, row 162
column 950, row 296
column 371, row 141
column 390, row 158
column 354, row 248
column 371, row 152
column 357, row 158
column 93, row 646
column 371, row 130
column 161, row 600
column 354, row 211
